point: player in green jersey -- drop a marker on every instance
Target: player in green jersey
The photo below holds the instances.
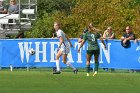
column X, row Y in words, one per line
column 93, row 48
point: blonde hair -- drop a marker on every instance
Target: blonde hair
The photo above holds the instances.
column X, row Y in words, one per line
column 109, row 27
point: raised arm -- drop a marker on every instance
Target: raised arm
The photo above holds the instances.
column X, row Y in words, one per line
column 103, row 42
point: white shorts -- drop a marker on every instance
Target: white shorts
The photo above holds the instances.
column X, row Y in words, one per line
column 65, row 48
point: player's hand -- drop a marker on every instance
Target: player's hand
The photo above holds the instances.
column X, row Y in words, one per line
column 58, row 49
column 71, row 45
column 105, row 47
column 78, row 50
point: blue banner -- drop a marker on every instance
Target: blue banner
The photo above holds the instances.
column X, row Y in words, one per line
column 16, row 53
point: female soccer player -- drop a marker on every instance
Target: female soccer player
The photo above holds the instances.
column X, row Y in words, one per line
column 63, row 49
column 93, row 48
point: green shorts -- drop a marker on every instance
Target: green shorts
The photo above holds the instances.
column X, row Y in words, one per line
column 93, row 52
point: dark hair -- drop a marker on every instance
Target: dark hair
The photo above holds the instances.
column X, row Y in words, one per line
column 85, row 30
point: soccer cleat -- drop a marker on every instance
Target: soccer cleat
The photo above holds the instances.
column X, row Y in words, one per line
column 95, row 73
column 75, row 71
column 87, row 74
column 57, row 72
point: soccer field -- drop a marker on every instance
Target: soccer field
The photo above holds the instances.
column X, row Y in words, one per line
column 67, row 82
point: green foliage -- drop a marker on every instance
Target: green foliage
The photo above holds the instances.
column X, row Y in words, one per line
column 47, row 12
column 50, row 6
column 102, row 13
column 42, row 28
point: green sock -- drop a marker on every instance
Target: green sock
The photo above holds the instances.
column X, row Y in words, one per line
column 96, row 66
column 88, row 68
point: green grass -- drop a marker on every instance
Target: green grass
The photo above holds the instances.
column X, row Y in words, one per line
column 67, row 82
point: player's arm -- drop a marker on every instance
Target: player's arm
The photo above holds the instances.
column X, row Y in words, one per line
column 103, row 42
column 69, row 40
column 80, row 39
column 61, row 41
column 81, row 44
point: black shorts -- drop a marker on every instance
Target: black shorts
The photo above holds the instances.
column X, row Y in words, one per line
column 95, row 52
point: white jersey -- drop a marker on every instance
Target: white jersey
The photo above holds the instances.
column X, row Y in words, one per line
column 65, row 47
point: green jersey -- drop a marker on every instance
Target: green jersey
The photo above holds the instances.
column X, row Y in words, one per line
column 92, row 37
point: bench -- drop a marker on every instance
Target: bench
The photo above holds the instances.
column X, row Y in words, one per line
column 28, row 11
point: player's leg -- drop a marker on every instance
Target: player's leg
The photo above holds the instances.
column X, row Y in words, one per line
column 96, row 56
column 64, row 57
column 88, row 57
column 66, row 50
column 57, row 62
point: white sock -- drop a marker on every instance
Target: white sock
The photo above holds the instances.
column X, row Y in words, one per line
column 70, row 65
column 57, row 65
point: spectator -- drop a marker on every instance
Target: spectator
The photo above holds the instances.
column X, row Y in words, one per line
column 13, row 7
column 108, row 34
column 3, row 9
column 127, row 37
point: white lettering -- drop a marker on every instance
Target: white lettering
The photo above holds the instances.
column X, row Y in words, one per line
column 79, row 54
column 138, row 48
column 53, row 51
column 106, row 52
column 25, row 49
column 70, row 59
column 37, row 59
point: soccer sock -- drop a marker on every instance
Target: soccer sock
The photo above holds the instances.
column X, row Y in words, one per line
column 96, row 66
column 57, row 65
column 88, row 68
column 70, row 65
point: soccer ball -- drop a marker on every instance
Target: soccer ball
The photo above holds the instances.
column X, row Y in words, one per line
column 31, row 51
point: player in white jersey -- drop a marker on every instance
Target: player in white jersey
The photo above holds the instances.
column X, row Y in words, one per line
column 63, row 49
column 65, row 46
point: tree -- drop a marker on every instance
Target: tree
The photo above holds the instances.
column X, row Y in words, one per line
column 103, row 13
